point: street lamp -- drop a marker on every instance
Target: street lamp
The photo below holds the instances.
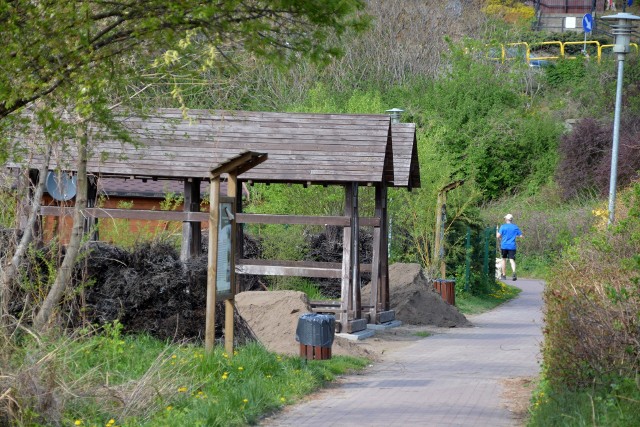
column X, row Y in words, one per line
column 622, row 32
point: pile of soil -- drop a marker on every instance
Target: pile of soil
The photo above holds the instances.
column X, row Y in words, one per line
column 416, row 302
column 273, row 318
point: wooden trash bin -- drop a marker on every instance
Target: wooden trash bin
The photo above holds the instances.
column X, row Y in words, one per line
column 314, row 352
column 315, row 333
column 446, row 289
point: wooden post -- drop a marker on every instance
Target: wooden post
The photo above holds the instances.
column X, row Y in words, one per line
column 91, row 224
column 345, row 292
column 191, row 231
column 239, row 236
column 384, row 250
column 232, row 185
column 355, row 253
column 212, row 270
column 441, row 217
column 374, row 298
column 440, row 225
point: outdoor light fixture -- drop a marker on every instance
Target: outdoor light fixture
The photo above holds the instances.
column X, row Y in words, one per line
column 394, row 113
column 622, row 31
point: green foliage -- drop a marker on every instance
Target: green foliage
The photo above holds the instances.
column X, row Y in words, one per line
column 128, row 233
column 565, row 72
column 300, row 284
column 480, row 121
column 474, row 304
column 614, row 405
column 596, row 283
column 139, row 381
column 58, row 46
column 8, row 207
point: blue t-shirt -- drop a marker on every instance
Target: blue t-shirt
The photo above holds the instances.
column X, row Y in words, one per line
column 508, row 233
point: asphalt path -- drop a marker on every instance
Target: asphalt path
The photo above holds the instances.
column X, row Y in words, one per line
column 454, row 378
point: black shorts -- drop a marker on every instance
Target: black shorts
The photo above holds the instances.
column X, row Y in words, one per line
column 508, row 253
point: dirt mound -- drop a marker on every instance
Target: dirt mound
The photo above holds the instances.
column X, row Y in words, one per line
column 416, row 302
column 273, row 317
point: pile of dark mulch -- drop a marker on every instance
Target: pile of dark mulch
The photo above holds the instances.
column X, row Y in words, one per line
column 327, row 247
column 148, row 290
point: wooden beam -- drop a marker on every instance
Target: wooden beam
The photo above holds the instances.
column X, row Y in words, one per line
column 148, row 215
column 241, row 218
column 239, row 164
column 342, row 221
column 330, row 271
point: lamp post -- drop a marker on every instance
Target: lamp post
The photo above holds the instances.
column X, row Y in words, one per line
column 394, row 113
column 622, row 31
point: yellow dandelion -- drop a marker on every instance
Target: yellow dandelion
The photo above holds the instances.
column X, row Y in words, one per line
column 111, row 422
column 225, row 355
column 268, row 376
column 169, row 408
column 182, row 389
column 174, row 356
column 245, row 400
column 282, row 399
column 78, row 422
column 240, row 368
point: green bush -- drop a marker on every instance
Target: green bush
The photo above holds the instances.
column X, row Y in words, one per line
column 593, row 303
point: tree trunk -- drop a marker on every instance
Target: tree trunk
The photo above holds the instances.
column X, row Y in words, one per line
column 11, row 268
column 63, row 276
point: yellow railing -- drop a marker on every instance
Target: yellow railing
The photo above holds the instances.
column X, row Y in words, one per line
column 516, row 50
column 609, row 46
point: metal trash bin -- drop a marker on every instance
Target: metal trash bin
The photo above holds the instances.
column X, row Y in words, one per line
column 447, row 289
column 315, row 333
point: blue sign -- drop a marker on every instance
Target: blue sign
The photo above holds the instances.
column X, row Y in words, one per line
column 587, row 22
column 630, row 2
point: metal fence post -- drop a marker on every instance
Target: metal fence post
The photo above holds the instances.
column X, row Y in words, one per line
column 467, row 272
column 485, row 265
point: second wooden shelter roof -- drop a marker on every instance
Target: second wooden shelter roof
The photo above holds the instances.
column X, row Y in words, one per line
column 316, row 148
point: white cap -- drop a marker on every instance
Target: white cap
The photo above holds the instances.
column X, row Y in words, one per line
column 508, row 217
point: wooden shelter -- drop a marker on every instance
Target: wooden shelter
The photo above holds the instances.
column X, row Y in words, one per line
column 326, row 149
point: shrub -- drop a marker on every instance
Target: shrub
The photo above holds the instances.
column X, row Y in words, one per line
column 585, row 164
column 593, row 305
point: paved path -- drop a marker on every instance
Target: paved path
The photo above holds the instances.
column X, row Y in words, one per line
column 449, row 379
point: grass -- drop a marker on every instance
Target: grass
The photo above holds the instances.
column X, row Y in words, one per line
column 534, row 266
column 615, row 405
column 110, row 379
column 476, row 304
column 422, row 334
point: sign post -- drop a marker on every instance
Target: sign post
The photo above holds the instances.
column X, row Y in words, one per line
column 222, row 243
column 587, row 26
